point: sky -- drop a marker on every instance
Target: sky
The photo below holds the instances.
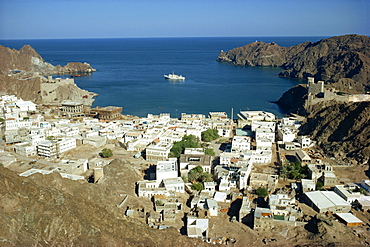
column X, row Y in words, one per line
column 65, row 19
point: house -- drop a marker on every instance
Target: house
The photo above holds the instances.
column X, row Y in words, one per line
column 305, row 141
column 210, row 186
column 323, row 173
column 265, row 133
column 149, row 189
column 25, row 149
column 196, row 157
column 174, row 185
column 267, row 181
column 212, row 207
column 106, row 113
column 327, row 201
column 158, row 151
column 303, row 156
column 245, row 209
column 308, row 185
column 350, row 192
column 240, row 144
column 197, row 228
column 245, row 118
column 287, row 134
column 163, row 202
column 167, row 169
column 54, row 148
column 289, row 146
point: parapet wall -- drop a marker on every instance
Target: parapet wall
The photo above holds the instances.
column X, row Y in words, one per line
column 317, row 93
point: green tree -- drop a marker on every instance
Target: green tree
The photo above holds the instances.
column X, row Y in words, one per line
column 210, row 151
column 206, row 177
column 284, row 172
column 319, row 185
column 209, row 135
column 197, row 186
column 188, row 141
column 261, row 192
column 106, row 153
column 159, row 203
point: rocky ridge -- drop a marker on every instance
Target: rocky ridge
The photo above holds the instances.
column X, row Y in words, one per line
column 48, row 210
column 343, row 61
column 341, row 129
column 23, row 71
column 28, row 60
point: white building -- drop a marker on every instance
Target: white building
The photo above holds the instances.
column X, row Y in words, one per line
column 174, row 185
column 256, row 116
column 197, row 228
column 25, row 149
column 240, row 144
column 54, row 148
column 263, row 124
column 14, row 124
column 287, row 134
column 265, row 133
column 158, row 151
column 212, row 207
column 167, row 169
column 350, row 193
column 305, row 141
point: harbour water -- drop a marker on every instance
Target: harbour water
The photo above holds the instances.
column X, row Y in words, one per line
column 130, row 73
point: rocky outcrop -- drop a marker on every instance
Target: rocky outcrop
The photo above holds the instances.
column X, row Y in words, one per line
column 341, row 129
column 28, row 60
column 48, row 210
column 333, row 60
column 293, row 100
column 23, row 71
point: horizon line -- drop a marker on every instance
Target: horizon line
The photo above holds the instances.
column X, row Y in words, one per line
column 175, row 37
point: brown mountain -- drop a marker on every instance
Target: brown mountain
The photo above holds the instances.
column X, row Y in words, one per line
column 48, row 210
column 23, row 71
column 341, row 129
column 28, row 60
column 343, row 61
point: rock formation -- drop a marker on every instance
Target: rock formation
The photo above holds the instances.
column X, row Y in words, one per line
column 343, row 61
column 341, row 129
column 28, row 60
column 23, row 71
column 48, row 210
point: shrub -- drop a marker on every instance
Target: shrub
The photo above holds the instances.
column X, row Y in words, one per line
column 210, row 151
column 106, row 153
column 197, row 186
column 261, row 192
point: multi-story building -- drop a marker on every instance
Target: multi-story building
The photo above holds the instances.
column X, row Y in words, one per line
column 158, row 151
column 54, row 148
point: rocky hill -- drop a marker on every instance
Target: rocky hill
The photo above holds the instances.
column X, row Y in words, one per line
column 23, row 71
column 341, row 129
column 48, row 210
column 343, row 61
column 28, row 60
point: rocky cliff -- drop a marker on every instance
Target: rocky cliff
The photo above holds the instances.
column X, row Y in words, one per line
column 343, row 61
column 23, row 71
column 341, row 129
column 28, row 60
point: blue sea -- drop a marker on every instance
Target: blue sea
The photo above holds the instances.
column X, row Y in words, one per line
column 130, row 73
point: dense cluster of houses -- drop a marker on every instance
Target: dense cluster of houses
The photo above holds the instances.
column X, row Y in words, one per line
column 251, row 141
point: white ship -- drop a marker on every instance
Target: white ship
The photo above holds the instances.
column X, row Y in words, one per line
column 174, row 77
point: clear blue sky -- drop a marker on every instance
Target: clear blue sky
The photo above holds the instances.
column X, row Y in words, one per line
column 45, row 19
